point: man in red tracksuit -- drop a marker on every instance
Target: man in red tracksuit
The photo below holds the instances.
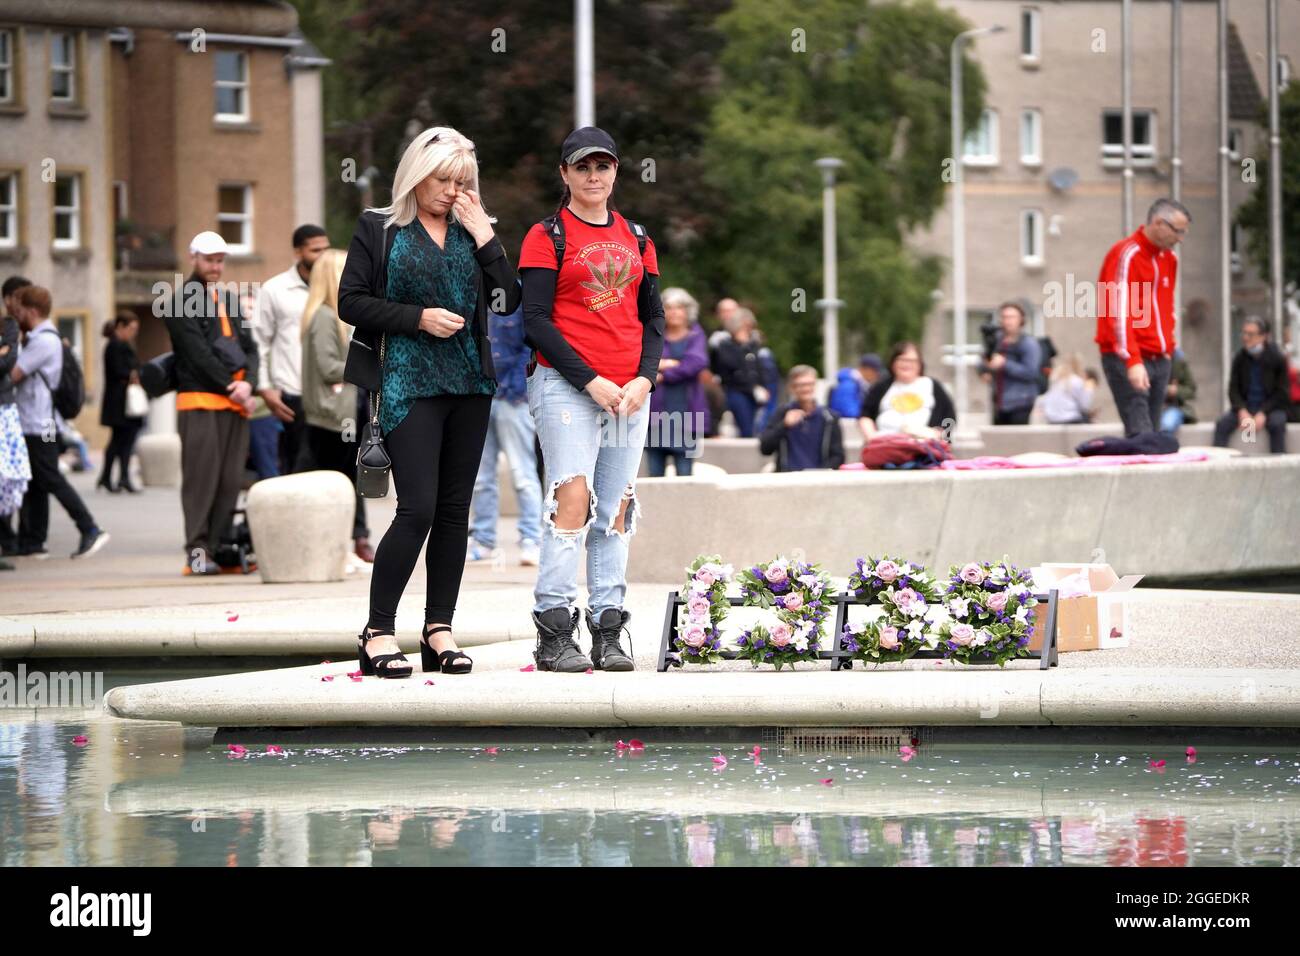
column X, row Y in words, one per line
column 1135, row 315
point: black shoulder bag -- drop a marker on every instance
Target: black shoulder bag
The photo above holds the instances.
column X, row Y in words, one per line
column 373, row 463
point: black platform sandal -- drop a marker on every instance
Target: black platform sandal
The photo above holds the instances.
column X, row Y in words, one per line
column 448, row 662
column 384, row 665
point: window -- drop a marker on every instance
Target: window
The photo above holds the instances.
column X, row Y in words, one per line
column 1031, row 137
column 63, row 67
column 1283, row 73
column 1234, row 143
column 1031, row 237
column 982, row 141
column 1029, row 35
column 7, row 71
column 1144, row 137
column 235, row 217
column 232, row 86
column 8, row 209
column 71, row 326
column 67, row 212
column 1236, row 243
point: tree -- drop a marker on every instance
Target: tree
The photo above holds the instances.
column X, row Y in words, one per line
column 1253, row 214
column 868, row 83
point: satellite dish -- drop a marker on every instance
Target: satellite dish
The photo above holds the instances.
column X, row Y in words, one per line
column 1062, row 178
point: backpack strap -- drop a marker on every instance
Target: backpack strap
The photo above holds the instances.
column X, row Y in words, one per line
column 554, row 226
column 638, row 230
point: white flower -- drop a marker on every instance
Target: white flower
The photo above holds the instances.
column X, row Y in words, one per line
column 699, row 587
column 1022, row 614
column 959, row 607
column 981, row 638
column 916, row 629
column 1018, row 590
column 917, row 609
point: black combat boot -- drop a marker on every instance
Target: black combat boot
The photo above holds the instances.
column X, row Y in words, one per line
column 556, row 648
column 606, row 652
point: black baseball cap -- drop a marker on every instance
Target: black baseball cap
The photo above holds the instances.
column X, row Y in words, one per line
column 585, row 141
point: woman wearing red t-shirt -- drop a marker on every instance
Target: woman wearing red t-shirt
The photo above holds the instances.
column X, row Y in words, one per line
column 597, row 324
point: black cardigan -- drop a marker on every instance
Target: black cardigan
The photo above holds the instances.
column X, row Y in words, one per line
column 362, row 289
column 120, row 361
column 1273, row 375
column 943, row 408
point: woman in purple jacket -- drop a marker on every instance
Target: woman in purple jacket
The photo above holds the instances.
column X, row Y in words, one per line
column 679, row 410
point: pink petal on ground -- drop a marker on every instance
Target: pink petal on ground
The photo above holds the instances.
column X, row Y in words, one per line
column 636, row 744
column 233, row 618
column 80, row 740
column 428, row 683
column 356, row 673
column 356, row 678
column 327, row 662
column 327, row 678
column 1191, row 751
column 492, row 750
column 589, row 671
column 530, row 667
column 720, row 760
column 827, row 781
column 274, row 749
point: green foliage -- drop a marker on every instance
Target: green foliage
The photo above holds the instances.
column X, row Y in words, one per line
column 1253, row 215
column 871, row 88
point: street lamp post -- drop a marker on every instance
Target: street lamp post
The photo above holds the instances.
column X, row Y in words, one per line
column 830, row 302
column 959, row 223
column 584, row 65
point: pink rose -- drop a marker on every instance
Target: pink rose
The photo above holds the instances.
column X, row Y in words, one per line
column 887, row 571
column 888, row 637
column 906, row 598
column 704, row 576
column 972, row 574
column 781, row 634
column 997, row 601
column 775, row 574
column 698, row 606
column 694, row 636
column 962, row 635
column 793, row 602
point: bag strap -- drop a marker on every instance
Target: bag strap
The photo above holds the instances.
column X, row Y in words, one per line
column 638, row 230
column 555, row 229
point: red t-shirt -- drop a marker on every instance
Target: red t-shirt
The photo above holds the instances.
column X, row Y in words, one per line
column 596, row 291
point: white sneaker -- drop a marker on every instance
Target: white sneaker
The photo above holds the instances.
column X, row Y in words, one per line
column 478, row 552
column 530, row 554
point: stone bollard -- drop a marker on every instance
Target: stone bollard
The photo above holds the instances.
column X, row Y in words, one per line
column 160, row 459
column 301, row 526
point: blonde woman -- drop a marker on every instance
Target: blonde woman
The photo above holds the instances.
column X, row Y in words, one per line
column 330, row 404
column 1069, row 396
column 421, row 274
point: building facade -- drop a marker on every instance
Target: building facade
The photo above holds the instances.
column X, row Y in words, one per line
column 1043, row 171
column 126, row 128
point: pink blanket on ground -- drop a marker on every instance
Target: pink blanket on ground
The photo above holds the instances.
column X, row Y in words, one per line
column 994, row 463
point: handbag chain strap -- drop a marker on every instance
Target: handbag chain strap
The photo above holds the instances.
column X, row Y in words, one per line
column 376, row 398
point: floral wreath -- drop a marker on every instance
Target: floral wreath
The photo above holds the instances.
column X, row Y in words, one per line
column 796, row 591
column 989, row 607
column 699, row 638
column 908, row 595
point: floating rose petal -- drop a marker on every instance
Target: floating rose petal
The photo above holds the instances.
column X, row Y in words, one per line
column 1191, row 751
column 622, row 746
column 237, row 749
column 719, row 760
column 274, row 749
column 826, row 782
column 636, row 744
column 1157, row 764
column 491, row 750
column 916, row 742
column 907, row 751
column 530, row 667
column 80, row 740
column 756, row 751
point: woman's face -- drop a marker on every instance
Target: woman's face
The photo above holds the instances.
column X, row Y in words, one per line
column 907, row 367
column 675, row 316
column 128, row 332
column 436, row 193
column 591, row 179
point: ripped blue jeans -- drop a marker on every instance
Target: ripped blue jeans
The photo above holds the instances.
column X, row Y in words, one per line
column 580, row 440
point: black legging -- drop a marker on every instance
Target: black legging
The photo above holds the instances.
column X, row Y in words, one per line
column 329, row 452
column 435, row 452
column 120, row 448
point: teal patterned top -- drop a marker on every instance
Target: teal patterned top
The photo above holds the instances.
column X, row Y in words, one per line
column 423, row 365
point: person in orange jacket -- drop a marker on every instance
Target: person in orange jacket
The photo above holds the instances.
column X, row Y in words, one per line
column 1135, row 315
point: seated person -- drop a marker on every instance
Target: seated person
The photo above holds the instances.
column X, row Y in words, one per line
column 1180, row 396
column 803, row 434
column 1259, row 390
column 1069, row 397
column 906, row 401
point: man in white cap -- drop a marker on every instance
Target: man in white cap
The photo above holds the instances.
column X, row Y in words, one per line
column 216, row 374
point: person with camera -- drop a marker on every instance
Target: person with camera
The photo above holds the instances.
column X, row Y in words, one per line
column 1012, row 365
column 216, row 375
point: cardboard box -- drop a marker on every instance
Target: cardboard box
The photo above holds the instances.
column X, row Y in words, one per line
column 1089, row 621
